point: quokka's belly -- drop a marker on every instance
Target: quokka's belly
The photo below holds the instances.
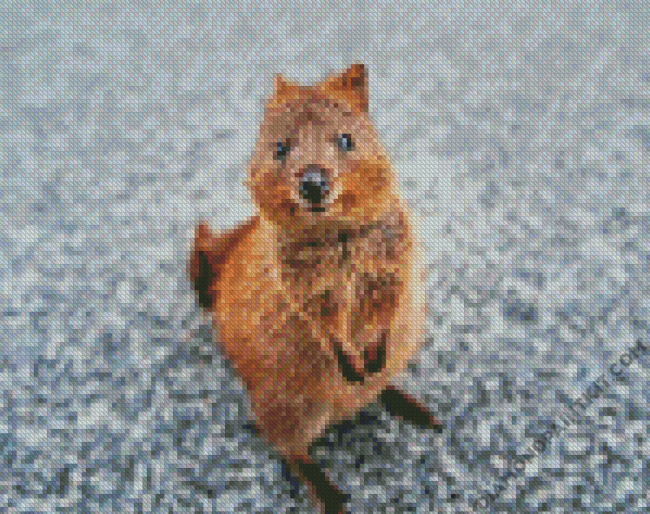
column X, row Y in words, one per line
column 296, row 389
column 295, row 382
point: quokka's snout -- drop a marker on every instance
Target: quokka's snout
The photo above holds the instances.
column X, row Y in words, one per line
column 314, row 186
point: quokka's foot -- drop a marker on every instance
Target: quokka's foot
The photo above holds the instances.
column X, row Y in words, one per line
column 400, row 404
column 326, row 495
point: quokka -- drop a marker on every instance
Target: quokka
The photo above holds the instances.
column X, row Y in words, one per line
column 318, row 300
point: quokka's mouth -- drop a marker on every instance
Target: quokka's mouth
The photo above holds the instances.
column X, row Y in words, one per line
column 300, row 205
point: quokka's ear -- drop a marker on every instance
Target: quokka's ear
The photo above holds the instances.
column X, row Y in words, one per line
column 282, row 86
column 279, row 83
column 282, row 90
column 352, row 81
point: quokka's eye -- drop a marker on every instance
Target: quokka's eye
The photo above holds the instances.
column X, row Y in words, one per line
column 345, row 143
column 282, row 149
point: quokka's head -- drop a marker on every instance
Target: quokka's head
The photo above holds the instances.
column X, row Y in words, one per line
column 318, row 160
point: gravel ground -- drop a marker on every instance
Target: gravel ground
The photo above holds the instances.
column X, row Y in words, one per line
column 521, row 136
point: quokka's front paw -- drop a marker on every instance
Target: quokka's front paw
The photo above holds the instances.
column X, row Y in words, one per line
column 374, row 361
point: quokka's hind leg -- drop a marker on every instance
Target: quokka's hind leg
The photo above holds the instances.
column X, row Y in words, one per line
column 328, row 498
column 404, row 406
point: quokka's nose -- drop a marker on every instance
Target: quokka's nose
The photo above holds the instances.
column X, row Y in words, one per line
column 314, row 186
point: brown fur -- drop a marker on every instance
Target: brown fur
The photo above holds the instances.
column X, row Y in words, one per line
column 316, row 310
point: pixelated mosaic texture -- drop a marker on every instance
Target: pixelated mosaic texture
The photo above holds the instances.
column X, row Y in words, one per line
column 520, row 135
